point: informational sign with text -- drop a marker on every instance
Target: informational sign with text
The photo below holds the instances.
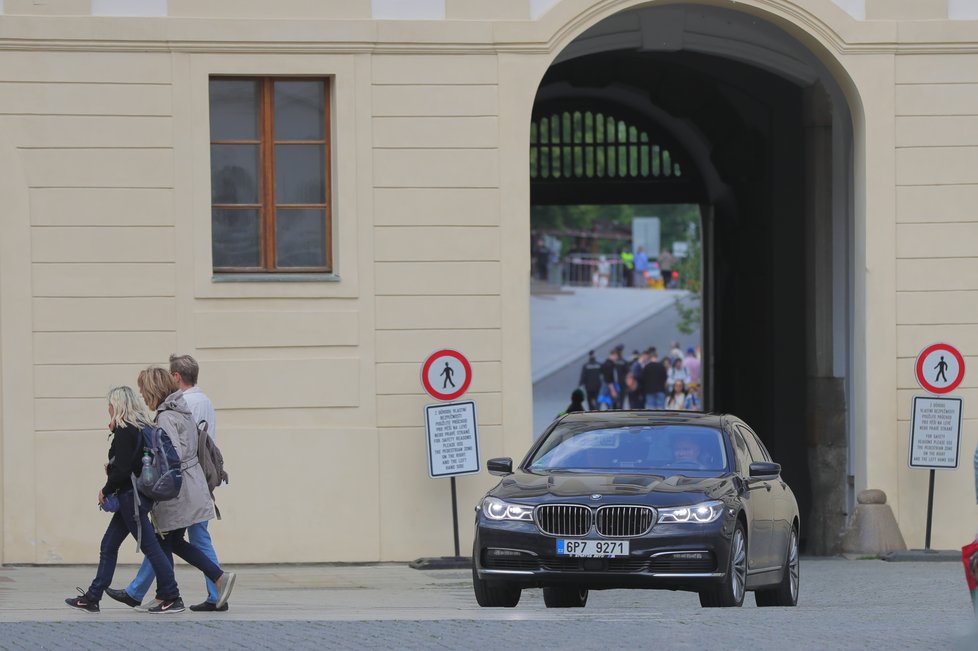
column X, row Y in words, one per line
column 453, row 443
column 935, row 432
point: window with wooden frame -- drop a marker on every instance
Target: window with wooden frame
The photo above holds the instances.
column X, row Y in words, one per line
column 270, row 171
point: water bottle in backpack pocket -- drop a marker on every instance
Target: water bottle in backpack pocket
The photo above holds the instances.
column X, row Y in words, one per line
column 161, row 477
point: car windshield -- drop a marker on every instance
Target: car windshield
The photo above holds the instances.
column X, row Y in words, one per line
column 655, row 447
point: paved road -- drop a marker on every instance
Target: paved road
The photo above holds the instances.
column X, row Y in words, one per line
column 859, row 604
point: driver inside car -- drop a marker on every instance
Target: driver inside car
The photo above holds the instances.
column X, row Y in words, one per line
column 686, row 451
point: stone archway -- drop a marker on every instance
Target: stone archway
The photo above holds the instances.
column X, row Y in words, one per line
column 770, row 132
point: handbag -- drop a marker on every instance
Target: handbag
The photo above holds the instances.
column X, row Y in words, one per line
column 110, row 503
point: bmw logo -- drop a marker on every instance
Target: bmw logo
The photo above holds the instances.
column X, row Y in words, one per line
column 595, row 496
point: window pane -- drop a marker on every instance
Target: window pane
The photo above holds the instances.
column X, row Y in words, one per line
column 234, row 173
column 300, row 176
column 300, row 238
column 299, row 110
column 236, row 238
column 234, row 109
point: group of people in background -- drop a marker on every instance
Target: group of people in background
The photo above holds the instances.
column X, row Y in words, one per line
column 646, row 381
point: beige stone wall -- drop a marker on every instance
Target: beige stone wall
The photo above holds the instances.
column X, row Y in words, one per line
column 105, row 257
column 937, row 259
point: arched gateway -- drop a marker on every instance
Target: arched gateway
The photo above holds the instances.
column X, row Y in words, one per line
column 697, row 104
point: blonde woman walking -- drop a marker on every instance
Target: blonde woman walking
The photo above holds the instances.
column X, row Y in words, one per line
column 127, row 418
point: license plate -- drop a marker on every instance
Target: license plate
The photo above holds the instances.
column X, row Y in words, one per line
column 592, row 548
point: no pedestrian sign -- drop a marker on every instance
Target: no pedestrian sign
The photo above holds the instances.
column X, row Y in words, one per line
column 939, row 368
column 446, row 374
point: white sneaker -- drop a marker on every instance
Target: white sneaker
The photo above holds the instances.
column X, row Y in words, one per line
column 224, row 585
column 146, row 606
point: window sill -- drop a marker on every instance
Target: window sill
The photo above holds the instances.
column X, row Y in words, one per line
column 275, row 278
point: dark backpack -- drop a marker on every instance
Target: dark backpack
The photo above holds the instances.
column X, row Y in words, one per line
column 162, row 478
column 211, row 460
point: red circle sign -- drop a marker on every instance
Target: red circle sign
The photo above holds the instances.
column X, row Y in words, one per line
column 446, row 374
column 939, row 368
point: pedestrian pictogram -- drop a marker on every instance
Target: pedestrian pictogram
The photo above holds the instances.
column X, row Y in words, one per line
column 446, row 374
column 939, row 368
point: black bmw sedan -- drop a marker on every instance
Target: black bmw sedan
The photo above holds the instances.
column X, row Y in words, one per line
column 639, row 499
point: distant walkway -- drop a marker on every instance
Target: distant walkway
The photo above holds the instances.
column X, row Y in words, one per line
column 565, row 326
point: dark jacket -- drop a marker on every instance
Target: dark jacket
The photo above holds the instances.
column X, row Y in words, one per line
column 654, row 377
column 591, row 375
column 125, row 458
column 608, row 371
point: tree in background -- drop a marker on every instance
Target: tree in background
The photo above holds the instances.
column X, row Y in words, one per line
column 690, row 306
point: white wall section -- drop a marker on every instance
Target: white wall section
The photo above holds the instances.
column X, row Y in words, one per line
column 855, row 8
column 128, row 7
column 413, row 10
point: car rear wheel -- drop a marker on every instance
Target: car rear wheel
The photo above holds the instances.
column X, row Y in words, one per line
column 565, row 597
column 494, row 594
column 786, row 592
column 730, row 591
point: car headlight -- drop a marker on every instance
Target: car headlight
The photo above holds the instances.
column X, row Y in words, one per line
column 496, row 509
column 700, row 513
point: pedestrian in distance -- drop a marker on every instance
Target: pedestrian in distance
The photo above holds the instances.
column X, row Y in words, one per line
column 654, row 382
column 636, row 395
column 693, row 401
column 641, row 268
column 692, row 365
column 667, row 364
column 676, row 400
column 576, row 403
column 591, row 380
column 678, row 371
column 194, row 503
column 127, row 419
column 609, row 386
column 621, row 376
column 185, row 372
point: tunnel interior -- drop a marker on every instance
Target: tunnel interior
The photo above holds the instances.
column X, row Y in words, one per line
column 754, row 149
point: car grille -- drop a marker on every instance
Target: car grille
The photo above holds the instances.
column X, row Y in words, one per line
column 610, row 521
column 563, row 519
column 624, row 521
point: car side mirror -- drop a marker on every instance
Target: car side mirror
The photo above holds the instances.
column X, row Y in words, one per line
column 765, row 470
column 500, row 466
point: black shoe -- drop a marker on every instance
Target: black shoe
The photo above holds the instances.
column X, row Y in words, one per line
column 84, row 602
column 122, row 596
column 208, row 607
column 166, row 607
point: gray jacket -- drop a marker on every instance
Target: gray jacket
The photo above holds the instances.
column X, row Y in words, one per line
column 194, row 503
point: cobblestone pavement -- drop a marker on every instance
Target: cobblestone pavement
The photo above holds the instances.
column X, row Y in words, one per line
column 845, row 604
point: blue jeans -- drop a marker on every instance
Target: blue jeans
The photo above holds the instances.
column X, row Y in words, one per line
column 120, row 526
column 655, row 400
column 204, row 559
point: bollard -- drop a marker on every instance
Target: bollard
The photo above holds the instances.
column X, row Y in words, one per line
column 873, row 529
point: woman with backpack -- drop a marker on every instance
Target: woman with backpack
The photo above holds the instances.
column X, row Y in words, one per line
column 127, row 418
column 194, row 503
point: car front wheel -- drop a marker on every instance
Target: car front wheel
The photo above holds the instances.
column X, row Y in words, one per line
column 730, row 591
column 786, row 592
column 494, row 594
column 565, row 597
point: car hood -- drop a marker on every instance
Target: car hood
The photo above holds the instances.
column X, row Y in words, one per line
column 663, row 490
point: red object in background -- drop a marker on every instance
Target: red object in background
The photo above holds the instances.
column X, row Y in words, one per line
column 969, row 556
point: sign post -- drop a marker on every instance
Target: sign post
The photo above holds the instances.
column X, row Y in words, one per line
column 935, row 425
column 452, row 436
